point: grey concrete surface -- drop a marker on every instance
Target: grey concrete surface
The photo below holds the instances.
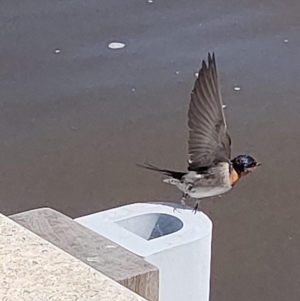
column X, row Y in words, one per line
column 34, row 269
column 93, row 249
column 73, row 124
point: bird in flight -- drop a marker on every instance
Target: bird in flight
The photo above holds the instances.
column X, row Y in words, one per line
column 211, row 171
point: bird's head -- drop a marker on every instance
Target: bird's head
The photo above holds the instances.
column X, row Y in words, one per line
column 244, row 164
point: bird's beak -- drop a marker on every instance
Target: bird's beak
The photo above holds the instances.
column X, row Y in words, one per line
column 258, row 164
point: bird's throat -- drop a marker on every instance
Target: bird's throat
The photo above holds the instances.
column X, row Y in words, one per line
column 234, row 177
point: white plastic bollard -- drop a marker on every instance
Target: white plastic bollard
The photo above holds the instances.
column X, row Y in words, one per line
column 177, row 242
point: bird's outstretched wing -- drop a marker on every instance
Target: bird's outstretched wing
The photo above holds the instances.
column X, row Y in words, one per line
column 209, row 141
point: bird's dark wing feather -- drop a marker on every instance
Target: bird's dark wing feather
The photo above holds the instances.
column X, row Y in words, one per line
column 209, row 141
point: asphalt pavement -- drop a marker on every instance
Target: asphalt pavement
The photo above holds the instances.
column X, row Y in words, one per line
column 76, row 116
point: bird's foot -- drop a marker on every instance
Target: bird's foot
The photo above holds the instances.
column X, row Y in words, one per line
column 182, row 203
column 175, row 209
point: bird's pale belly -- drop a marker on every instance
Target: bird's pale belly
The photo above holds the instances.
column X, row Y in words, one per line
column 216, row 182
column 205, row 192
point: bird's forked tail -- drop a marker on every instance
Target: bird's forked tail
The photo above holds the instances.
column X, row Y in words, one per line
column 176, row 175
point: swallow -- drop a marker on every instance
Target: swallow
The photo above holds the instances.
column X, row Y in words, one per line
column 210, row 171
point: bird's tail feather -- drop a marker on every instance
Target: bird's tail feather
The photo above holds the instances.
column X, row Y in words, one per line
column 174, row 174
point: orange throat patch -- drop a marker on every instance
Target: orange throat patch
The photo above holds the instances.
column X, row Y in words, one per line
column 233, row 177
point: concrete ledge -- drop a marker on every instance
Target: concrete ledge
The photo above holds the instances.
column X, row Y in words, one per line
column 32, row 269
column 98, row 252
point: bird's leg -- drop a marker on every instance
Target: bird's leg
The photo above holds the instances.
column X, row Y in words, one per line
column 188, row 188
column 196, row 206
column 182, row 201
